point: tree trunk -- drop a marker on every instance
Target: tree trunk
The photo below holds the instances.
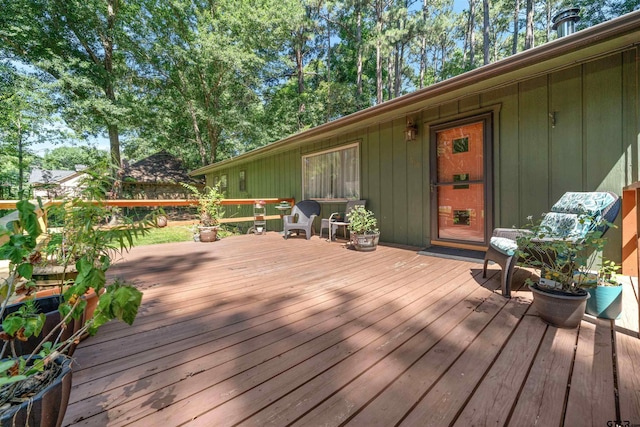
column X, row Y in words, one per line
column 114, row 145
column 20, row 160
column 423, row 47
column 328, row 116
column 397, row 70
column 390, row 76
column 471, row 31
column 379, row 8
column 197, row 133
column 528, row 40
column 485, row 32
column 359, row 58
column 300, row 69
column 107, row 43
column 548, row 23
column 516, row 29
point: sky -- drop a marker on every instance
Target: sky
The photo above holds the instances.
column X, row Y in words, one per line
column 99, row 142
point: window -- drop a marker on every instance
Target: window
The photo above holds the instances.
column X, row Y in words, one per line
column 242, row 179
column 223, row 183
column 332, row 174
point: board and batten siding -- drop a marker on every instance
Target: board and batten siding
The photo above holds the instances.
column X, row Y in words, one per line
column 572, row 129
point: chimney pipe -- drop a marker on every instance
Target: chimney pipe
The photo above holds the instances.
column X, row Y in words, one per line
column 565, row 21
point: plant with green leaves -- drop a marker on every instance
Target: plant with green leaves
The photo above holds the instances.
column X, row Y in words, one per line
column 86, row 244
column 209, row 202
column 566, row 263
column 607, row 274
column 362, row 221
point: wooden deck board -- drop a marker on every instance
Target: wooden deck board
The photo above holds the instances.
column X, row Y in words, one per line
column 256, row 330
column 364, row 372
column 546, row 384
column 592, row 393
column 492, row 401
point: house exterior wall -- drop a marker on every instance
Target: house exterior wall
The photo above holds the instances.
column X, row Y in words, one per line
column 573, row 129
column 68, row 187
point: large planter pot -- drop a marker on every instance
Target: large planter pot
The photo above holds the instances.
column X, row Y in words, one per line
column 558, row 308
column 47, row 407
column 605, row 302
column 208, row 234
column 49, row 306
column 90, row 296
column 365, row 242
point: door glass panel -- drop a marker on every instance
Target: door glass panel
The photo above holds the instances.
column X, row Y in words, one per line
column 460, row 183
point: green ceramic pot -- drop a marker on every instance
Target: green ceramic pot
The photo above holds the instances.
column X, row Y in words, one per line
column 605, row 302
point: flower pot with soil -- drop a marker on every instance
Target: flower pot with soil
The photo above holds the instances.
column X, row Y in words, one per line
column 210, row 209
column 364, row 229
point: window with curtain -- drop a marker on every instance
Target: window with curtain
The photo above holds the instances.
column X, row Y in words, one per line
column 332, row 174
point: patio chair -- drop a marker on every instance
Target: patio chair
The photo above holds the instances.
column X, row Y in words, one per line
column 339, row 219
column 563, row 222
column 301, row 218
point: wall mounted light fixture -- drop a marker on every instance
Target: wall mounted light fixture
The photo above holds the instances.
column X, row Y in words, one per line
column 411, row 131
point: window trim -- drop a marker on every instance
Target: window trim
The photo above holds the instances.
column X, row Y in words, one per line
column 332, row 150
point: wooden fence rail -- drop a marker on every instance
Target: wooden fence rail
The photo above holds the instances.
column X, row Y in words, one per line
column 156, row 203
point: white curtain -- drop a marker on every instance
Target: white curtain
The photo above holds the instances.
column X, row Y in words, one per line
column 332, row 174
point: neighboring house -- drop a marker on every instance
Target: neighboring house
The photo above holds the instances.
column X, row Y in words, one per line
column 55, row 184
column 493, row 145
column 157, row 177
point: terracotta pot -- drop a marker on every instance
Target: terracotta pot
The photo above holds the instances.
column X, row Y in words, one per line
column 46, row 408
column 557, row 308
column 161, row 221
column 92, row 303
column 208, row 234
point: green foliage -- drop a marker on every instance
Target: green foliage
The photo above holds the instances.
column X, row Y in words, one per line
column 26, row 117
column 210, row 203
column 210, row 80
column 67, row 158
column 362, row 221
column 84, row 243
column 118, row 302
column 607, row 273
column 565, row 260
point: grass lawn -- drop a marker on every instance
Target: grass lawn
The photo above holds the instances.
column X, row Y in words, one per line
column 174, row 234
column 165, row 235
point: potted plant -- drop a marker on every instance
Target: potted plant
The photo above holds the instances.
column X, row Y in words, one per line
column 364, row 229
column 605, row 291
column 211, row 211
column 41, row 370
column 564, row 263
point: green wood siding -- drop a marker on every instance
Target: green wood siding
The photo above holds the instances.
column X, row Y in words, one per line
column 565, row 89
column 571, row 129
column 533, row 138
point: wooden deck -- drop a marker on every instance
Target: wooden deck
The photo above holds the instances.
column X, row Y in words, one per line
column 256, row 331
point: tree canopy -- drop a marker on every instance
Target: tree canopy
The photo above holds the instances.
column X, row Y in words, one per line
column 210, row 79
